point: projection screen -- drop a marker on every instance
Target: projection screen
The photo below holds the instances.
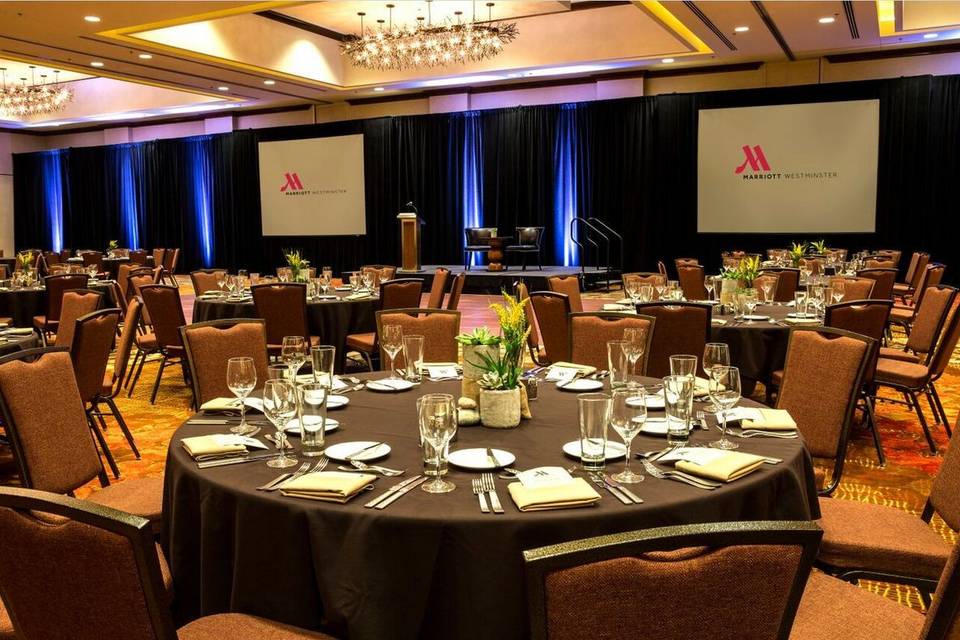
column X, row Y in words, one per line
column 799, row 168
column 313, row 187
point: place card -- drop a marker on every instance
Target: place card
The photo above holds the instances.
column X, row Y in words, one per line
column 561, row 374
column 442, row 371
column 544, row 477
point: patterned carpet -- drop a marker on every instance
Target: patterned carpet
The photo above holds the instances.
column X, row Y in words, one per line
column 904, row 483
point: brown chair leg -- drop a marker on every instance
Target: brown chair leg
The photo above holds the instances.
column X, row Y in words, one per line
column 874, row 429
column 123, row 425
column 103, row 446
column 923, row 421
column 156, row 383
column 943, row 414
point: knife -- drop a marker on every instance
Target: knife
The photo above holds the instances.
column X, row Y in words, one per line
column 239, row 460
column 399, row 492
column 492, row 458
column 627, row 492
column 353, row 456
column 391, row 491
column 616, row 494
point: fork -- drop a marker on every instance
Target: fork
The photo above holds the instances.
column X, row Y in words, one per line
column 486, row 480
column 273, row 486
column 673, row 475
column 320, row 466
column 481, row 496
column 362, row 466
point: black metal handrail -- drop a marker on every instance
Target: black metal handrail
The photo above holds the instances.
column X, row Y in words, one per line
column 614, row 232
column 576, row 240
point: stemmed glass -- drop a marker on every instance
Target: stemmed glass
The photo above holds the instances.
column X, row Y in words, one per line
column 293, row 353
column 725, row 393
column 709, row 283
column 280, row 405
column 221, row 280
column 805, row 271
column 634, row 344
column 646, row 293
column 715, row 354
column 661, row 284
column 766, row 285
column 392, row 343
column 627, row 416
column 750, row 302
column 438, row 424
column 325, row 279
column 838, row 289
column 241, row 380
column 367, row 279
column 633, row 288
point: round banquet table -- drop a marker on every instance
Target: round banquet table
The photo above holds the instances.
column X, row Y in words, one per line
column 11, row 344
column 22, row 305
column 427, row 566
column 332, row 320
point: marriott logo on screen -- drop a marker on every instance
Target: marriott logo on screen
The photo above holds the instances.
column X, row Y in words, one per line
column 756, row 159
column 292, row 182
column 293, row 186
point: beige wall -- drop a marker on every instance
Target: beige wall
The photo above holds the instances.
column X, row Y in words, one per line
column 10, row 143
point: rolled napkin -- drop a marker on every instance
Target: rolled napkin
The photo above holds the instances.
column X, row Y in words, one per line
column 329, row 486
column 771, row 420
column 218, row 445
column 623, row 308
column 717, row 464
column 562, row 496
column 701, row 386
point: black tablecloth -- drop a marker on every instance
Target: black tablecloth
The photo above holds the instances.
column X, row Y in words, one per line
column 759, row 348
column 331, row 320
column 428, row 566
column 10, row 344
column 23, row 304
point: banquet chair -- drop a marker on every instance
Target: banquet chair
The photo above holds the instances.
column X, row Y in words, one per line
column 205, row 280
column 138, row 256
column 653, row 278
column 456, row 290
column 51, row 258
column 158, row 256
column 403, row 293
column 87, row 572
column 283, row 306
column 814, row 264
column 591, row 331
column 438, row 288
column 552, row 310
column 533, row 337
column 63, row 459
column 379, row 272
column 439, row 328
column 123, row 277
column 681, row 327
column 883, row 279
column 856, row 288
column 683, row 262
column 761, row 280
column 210, row 345
column 76, row 303
column 171, row 258
column 93, row 259
column 893, row 254
column 878, row 262
column 56, row 286
column 822, row 379
column 930, row 318
column 662, row 269
column 788, row 281
column 691, row 281
column 528, row 241
column 476, row 240
column 911, row 280
column 746, row 579
column 113, row 382
column 904, row 315
column 166, row 313
column 570, row 287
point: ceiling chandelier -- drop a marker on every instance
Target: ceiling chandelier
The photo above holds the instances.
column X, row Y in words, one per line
column 33, row 99
column 427, row 45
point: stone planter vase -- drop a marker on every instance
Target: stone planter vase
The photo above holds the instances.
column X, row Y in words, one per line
column 471, row 369
column 728, row 290
column 500, row 409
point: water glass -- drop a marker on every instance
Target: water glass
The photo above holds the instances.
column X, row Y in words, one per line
column 800, row 303
column 635, row 339
column 277, row 372
column 632, row 287
column 628, row 412
column 413, row 357
column 293, row 353
column 618, row 363
column 313, row 417
column 430, row 454
column 683, row 365
column 594, row 414
column 241, row 380
column 678, row 403
column 646, row 293
column 438, row 424
column 715, row 354
column 725, row 393
column 392, row 343
column 280, row 406
column 322, row 359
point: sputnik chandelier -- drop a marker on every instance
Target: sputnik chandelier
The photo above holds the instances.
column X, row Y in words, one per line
column 427, row 45
column 23, row 99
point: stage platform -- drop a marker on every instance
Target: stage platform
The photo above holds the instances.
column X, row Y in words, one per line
column 479, row 280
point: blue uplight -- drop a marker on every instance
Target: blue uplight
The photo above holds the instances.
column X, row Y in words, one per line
column 472, row 174
column 53, row 197
column 129, row 210
column 201, row 180
column 565, row 183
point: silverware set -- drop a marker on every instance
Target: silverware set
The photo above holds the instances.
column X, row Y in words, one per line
column 760, row 433
column 484, row 487
column 285, row 478
column 392, row 494
column 678, row 476
column 363, row 467
column 617, row 490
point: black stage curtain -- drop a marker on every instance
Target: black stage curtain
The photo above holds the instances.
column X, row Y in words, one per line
column 636, row 170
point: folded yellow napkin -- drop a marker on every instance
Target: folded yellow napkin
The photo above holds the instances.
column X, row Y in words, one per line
column 221, row 404
column 582, row 368
column 218, row 444
column 723, row 466
column 563, row 496
column 801, row 320
column 771, row 420
column 329, row 486
column 718, row 321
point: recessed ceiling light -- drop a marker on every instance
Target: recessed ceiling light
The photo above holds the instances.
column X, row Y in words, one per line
column 145, row 56
column 92, row 18
column 223, row 88
column 268, row 82
column 930, row 36
column 741, row 29
column 96, row 63
column 667, row 60
column 826, row 20
column 378, row 88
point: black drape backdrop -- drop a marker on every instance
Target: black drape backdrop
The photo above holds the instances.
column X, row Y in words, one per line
column 636, row 162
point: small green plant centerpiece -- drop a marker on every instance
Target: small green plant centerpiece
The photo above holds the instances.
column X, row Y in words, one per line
column 798, row 251
column 500, row 396
column 24, row 261
column 113, row 245
column 736, row 279
column 299, row 268
column 819, row 247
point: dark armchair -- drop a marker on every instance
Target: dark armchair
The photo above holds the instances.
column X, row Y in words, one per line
column 528, row 241
column 477, row 241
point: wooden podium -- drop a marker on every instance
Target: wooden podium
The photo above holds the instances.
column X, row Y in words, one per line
column 409, row 243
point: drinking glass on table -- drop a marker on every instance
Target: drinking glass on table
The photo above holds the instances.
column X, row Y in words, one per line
column 322, row 359
column 392, row 343
column 635, row 344
column 805, row 271
column 241, row 380
column 293, row 353
column 327, row 273
column 766, row 285
column 715, row 354
column 438, row 425
column 413, row 357
column 660, row 286
column 838, row 288
column 279, row 406
column 678, row 405
column 632, row 288
column 367, row 279
column 221, row 281
column 313, row 417
column 593, row 410
column 277, row 372
column 618, row 363
column 725, row 393
column 355, row 282
column 800, row 303
column 627, row 415
column 646, row 293
column 325, row 282
column 709, row 283
column 750, row 302
column 683, row 365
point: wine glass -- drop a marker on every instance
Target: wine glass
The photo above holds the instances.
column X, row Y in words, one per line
column 838, row 288
column 221, row 281
column 709, row 283
column 627, row 415
column 634, row 344
column 293, row 353
column 438, row 424
column 392, row 343
column 367, row 279
column 280, row 406
column 646, row 293
column 750, row 302
column 766, row 285
column 715, row 354
column 725, row 393
column 325, row 281
column 660, row 285
column 633, row 288
column 241, row 380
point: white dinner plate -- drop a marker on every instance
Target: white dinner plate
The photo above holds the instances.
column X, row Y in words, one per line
column 389, row 386
column 336, row 402
column 581, row 385
column 340, row 452
column 344, row 288
column 614, row 451
column 795, row 314
column 654, row 427
column 326, row 296
column 477, row 459
column 293, row 427
column 755, row 317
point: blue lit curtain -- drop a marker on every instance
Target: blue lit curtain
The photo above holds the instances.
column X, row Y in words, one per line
column 472, row 174
column 53, row 197
column 567, row 182
column 200, row 185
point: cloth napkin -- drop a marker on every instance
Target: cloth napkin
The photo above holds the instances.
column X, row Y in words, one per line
column 583, row 369
column 214, row 446
column 624, row 307
column 717, row 464
column 329, row 486
column 801, row 320
column 231, row 404
column 358, row 296
column 718, row 321
column 562, row 496
column 771, row 420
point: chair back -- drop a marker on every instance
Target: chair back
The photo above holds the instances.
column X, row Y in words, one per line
column 439, row 328
column 121, row 358
column 883, row 281
column 691, row 280
column 379, row 273
column 51, row 258
column 591, row 331
column 948, row 342
column 528, row 236
column 76, row 303
column 205, row 280
column 93, row 259
column 857, row 288
column 170, row 259
column 456, row 290
column 932, row 276
column 681, row 327
column 814, row 264
column 919, row 268
column 56, row 285
column 210, row 345
column 283, row 306
column 479, row 236
column 90, row 352
column 892, row 254
column 866, row 317
column 158, row 256
column 166, row 313
column 79, row 570
column 662, row 269
column 760, row 280
column 656, row 570
column 438, row 288
column 123, row 277
column 533, row 337
column 552, row 310
column 570, row 287
column 944, row 496
column 403, row 293
column 138, row 279
column 50, row 436
column 138, row 256
column 943, row 617
column 929, row 318
column 788, row 280
column 652, row 278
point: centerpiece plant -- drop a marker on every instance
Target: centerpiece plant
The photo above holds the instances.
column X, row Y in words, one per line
column 798, row 251
column 299, row 268
column 500, row 396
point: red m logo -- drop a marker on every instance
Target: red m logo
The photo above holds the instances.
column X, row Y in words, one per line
column 293, row 182
column 755, row 158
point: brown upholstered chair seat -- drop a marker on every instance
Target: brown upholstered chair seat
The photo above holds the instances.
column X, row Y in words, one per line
column 238, row 625
column 857, row 535
column 831, row 608
column 901, row 315
column 40, row 322
column 907, row 374
column 147, row 341
column 891, row 353
column 362, row 341
column 901, row 289
column 140, row 496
